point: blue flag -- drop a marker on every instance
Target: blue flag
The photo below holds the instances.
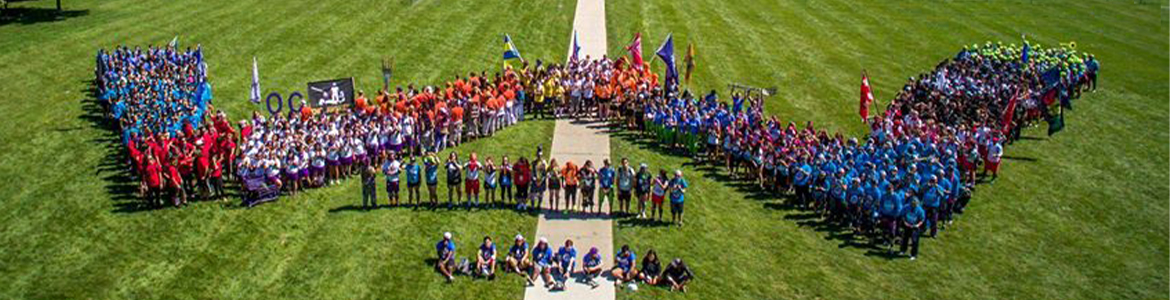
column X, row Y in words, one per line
column 576, row 47
column 666, row 52
column 1024, row 53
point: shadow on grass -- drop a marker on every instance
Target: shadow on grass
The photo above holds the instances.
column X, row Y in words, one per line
column 35, row 15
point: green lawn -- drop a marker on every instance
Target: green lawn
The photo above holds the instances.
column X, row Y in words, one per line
column 68, row 232
column 1080, row 215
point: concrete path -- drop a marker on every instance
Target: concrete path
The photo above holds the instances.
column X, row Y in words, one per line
column 578, row 142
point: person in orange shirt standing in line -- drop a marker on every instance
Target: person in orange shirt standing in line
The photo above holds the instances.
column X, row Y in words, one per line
column 569, row 173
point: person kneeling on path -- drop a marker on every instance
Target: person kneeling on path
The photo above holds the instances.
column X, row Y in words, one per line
column 446, row 255
column 592, row 267
column 566, row 263
column 542, row 259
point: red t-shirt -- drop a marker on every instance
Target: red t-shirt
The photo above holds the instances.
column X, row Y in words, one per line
column 153, row 175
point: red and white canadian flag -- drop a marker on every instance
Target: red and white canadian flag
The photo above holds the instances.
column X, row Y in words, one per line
column 866, row 97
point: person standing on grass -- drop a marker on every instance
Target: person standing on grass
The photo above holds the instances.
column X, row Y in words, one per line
column 446, row 257
column 678, row 190
column 522, row 177
column 658, row 194
column 932, row 198
column 392, row 168
column 994, row 156
column 605, row 181
column 454, row 180
column 890, row 208
column 431, row 162
column 505, row 180
column 413, row 174
column 625, row 185
column 472, row 187
column 645, row 181
column 369, row 187
column 491, row 180
column 911, row 226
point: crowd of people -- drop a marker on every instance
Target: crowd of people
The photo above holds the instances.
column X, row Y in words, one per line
column 540, row 263
column 160, row 100
column 313, row 148
column 918, row 165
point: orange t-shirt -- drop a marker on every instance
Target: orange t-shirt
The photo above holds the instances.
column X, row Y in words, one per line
column 570, row 173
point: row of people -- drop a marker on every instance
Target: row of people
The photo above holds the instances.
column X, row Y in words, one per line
column 540, row 262
column 529, row 184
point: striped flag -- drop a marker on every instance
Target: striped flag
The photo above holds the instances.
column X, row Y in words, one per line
column 255, row 81
column 510, row 51
column 866, row 97
column 635, row 49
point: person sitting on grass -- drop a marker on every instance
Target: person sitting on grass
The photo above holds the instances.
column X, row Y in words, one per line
column 485, row 262
column 592, row 267
column 623, row 269
column 651, row 271
column 566, row 264
column 542, row 259
column 678, row 275
column 517, row 259
column 446, row 255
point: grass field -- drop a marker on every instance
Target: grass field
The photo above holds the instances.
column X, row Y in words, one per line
column 1081, row 215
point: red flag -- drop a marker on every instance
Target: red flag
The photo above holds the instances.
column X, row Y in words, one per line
column 635, row 49
column 1010, row 113
column 866, row 97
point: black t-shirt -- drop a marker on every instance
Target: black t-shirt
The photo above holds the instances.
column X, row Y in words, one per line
column 651, row 268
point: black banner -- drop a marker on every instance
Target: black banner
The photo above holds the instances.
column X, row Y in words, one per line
column 331, row 92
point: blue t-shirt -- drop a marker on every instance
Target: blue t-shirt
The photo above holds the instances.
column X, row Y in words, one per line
column 412, row 173
column 592, row 260
column 914, row 214
column 932, row 197
column 542, row 256
column 518, row 251
column 605, row 176
column 487, row 251
column 445, row 247
column 627, row 260
column 432, row 174
column 676, row 194
column 891, row 204
column 565, row 256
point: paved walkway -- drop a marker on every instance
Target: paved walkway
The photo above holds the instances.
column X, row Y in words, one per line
column 578, row 142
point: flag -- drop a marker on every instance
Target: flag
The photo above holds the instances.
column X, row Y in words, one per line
column 510, row 51
column 255, row 81
column 866, row 97
column 1024, row 53
column 635, row 49
column 576, row 47
column 1056, row 123
column 689, row 60
column 387, row 72
column 174, row 42
column 666, row 52
column 1010, row 112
